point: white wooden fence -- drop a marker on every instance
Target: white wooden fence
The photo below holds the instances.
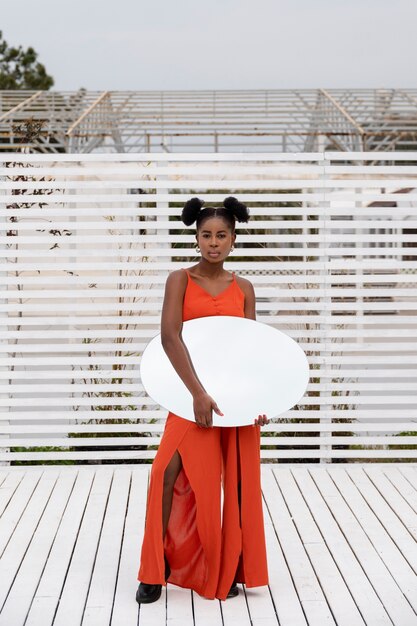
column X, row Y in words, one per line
column 88, row 240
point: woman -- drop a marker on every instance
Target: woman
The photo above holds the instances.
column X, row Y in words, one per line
column 189, row 541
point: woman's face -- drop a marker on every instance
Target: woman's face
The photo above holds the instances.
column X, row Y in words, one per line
column 215, row 239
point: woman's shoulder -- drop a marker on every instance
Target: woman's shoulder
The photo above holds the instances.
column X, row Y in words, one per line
column 176, row 278
column 244, row 284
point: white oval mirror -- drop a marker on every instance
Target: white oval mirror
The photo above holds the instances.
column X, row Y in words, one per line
column 248, row 367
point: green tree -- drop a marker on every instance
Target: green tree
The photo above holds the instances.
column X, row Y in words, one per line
column 19, row 69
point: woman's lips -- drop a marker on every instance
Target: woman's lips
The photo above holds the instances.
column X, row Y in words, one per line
column 214, row 253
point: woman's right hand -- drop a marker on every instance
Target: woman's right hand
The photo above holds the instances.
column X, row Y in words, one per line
column 203, row 407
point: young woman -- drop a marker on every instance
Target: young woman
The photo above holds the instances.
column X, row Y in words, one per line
column 189, row 539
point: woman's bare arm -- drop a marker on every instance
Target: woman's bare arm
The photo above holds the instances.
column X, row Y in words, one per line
column 250, row 299
column 171, row 328
column 175, row 349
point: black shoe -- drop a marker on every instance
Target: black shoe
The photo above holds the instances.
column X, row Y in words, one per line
column 148, row 593
column 233, row 591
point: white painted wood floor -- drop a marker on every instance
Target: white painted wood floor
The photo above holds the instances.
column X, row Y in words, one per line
column 341, row 544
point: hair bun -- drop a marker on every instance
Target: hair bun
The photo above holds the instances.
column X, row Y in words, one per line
column 239, row 210
column 190, row 211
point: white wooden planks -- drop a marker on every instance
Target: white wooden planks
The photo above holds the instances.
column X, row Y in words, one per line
column 281, row 583
column 394, row 498
column 78, row 580
column 359, row 586
column 337, row 593
column 339, row 550
column 235, row 610
column 308, row 588
column 20, row 527
column 395, row 604
column 32, row 565
column 179, row 607
column 49, row 591
column 397, row 564
column 125, row 609
column 99, row 603
column 9, row 484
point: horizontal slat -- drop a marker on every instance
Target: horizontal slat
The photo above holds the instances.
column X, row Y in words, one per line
column 160, row 224
column 265, row 441
column 314, row 195
column 345, row 205
column 325, row 305
column 280, row 276
column 242, row 252
column 409, row 333
column 270, row 294
column 362, row 400
column 324, row 238
column 364, row 373
column 83, row 441
column 62, row 348
column 207, row 157
column 126, row 172
column 158, row 428
column 115, row 387
column 324, row 413
column 324, row 319
column 144, row 455
column 173, row 157
column 375, row 264
column 133, row 361
column 209, row 183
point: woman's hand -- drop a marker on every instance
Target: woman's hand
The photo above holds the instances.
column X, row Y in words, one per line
column 203, row 406
column 261, row 420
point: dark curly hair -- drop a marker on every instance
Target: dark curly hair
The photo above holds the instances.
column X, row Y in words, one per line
column 231, row 211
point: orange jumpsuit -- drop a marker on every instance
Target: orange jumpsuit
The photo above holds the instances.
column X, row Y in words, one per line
column 205, row 543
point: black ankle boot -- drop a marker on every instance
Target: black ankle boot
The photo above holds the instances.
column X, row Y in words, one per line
column 148, row 593
column 233, row 591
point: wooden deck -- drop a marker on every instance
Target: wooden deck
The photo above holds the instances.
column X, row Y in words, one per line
column 341, row 542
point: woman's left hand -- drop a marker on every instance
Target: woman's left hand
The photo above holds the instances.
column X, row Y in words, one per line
column 261, row 420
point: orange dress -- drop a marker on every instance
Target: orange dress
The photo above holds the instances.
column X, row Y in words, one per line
column 207, row 544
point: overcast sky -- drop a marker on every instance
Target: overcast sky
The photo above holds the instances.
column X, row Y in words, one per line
column 218, row 44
